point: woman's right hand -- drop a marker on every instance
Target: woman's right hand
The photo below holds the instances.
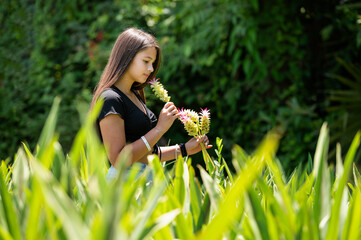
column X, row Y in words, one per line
column 167, row 115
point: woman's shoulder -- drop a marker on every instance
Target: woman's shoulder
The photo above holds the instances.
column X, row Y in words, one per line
column 112, row 103
column 111, row 94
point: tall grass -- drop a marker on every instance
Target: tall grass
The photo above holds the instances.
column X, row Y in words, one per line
column 47, row 194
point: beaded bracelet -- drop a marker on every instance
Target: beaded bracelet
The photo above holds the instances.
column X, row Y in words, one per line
column 176, row 151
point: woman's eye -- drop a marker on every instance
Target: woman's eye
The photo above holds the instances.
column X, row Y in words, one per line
column 146, row 61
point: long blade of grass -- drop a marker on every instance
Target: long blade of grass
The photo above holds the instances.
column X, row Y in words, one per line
column 81, row 137
column 333, row 228
column 258, row 214
column 239, row 158
column 195, row 196
column 9, row 209
column 5, row 235
column 351, row 230
column 205, row 212
column 283, row 197
column 227, row 170
column 356, row 176
column 181, row 225
column 227, row 213
column 35, row 202
column 152, row 200
column 60, row 203
column 21, row 176
column 322, row 185
column 212, row 189
column 275, row 211
column 187, row 200
column 179, row 186
column 161, row 222
column 49, row 128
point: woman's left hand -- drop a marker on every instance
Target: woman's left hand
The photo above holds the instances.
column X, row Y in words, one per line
column 193, row 146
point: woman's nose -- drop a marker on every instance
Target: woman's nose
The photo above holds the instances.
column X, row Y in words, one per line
column 150, row 68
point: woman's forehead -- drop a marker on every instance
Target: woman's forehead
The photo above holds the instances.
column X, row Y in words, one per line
column 149, row 52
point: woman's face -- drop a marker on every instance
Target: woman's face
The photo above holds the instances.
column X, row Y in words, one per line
column 142, row 65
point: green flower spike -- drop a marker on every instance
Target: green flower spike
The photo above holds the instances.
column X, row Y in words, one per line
column 205, row 121
column 159, row 90
column 190, row 126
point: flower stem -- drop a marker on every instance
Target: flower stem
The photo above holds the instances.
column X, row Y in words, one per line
column 206, row 157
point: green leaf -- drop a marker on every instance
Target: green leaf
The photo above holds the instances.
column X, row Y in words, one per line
column 4, row 234
column 182, row 227
column 60, row 203
column 205, row 212
column 322, row 182
column 258, row 214
column 195, row 195
column 212, row 189
column 351, row 230
column 35, row 202
column 12, row 221
column 179, row 185
column 161, row 222
column 334, row 226
column 228, row 209
column 239, row 158
column 356, row 176
column 21, row 175
column 152, row 200
column 48, row 131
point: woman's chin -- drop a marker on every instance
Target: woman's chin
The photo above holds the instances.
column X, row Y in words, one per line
column 142, row 81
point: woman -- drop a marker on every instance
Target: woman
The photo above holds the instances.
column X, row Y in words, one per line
column 125, row 122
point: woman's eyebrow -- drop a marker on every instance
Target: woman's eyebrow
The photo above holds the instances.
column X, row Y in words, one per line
column 149, row 57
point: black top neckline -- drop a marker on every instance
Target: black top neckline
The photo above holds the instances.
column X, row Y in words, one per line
column 137, row 95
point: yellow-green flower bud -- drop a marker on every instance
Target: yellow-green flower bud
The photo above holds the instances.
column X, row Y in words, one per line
column 159, row 90
column 190, row 126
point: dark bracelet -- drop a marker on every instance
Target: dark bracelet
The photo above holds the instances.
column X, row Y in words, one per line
column 183, row 150
column 155, row 149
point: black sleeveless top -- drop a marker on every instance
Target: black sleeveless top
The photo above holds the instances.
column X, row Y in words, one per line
column 136, row 122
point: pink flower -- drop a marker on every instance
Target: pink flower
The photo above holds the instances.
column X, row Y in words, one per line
column 205, row 113
column 205, row 117
column 153, row 81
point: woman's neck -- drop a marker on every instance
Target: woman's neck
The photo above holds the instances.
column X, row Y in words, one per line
column 124, row 85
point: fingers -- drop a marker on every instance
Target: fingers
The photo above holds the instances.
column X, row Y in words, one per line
column 171, row 110
column 169, row 104
column 205, row 140
column 175, row 113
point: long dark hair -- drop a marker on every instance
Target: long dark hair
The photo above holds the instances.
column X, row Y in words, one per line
column 127, row 45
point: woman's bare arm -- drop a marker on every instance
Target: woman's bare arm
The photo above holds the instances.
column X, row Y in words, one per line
column 113, row 133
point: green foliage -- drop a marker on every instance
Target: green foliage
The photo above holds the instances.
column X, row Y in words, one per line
column 255, row 63
column 46, row 195
column 53, row 48
column 347, row 102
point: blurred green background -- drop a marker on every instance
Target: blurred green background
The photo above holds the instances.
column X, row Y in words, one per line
column 256, row 64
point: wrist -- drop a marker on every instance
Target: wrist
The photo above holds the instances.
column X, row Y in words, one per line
column 159, row 130
column 188, row 149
